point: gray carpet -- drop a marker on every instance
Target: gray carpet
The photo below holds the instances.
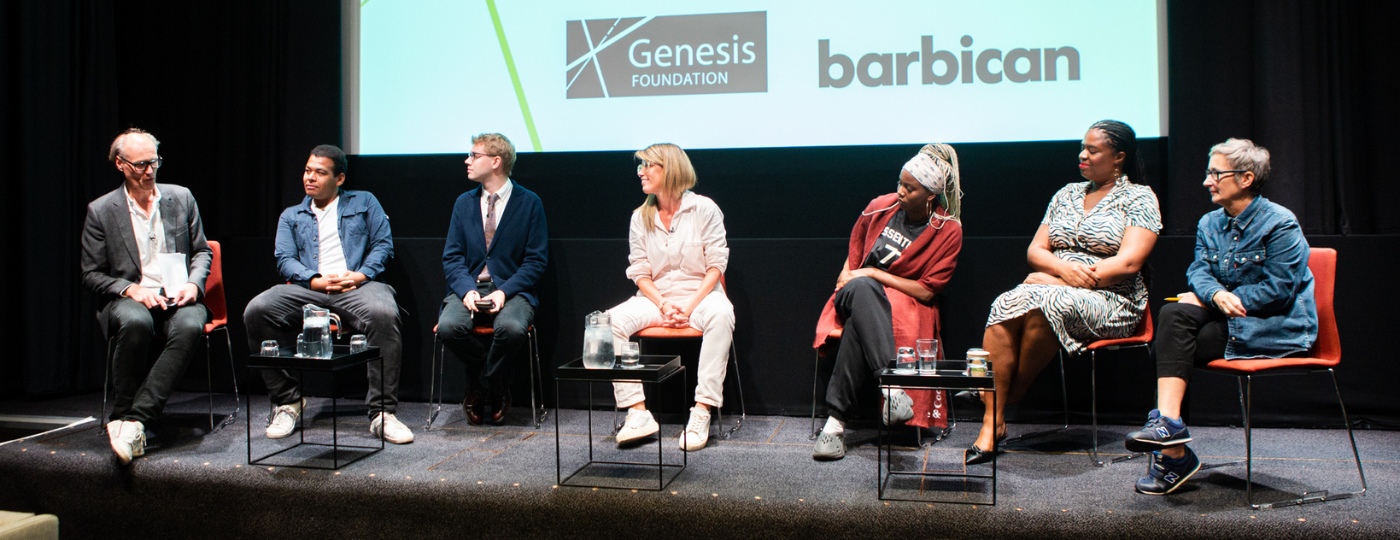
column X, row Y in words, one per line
column 499, row 482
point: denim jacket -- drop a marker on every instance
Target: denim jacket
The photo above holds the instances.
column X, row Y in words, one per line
column 1261, row 257
column 363, row 230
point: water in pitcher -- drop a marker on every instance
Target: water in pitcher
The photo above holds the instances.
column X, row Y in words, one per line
column 598, row 341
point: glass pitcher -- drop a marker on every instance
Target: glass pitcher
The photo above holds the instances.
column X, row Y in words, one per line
column 314, row 341
column 597, row 341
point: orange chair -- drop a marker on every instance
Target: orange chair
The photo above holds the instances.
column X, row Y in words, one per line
column 661, row 332
column 436, row 381
column 218, row 314
column 1142, row 337
column 1323, row 357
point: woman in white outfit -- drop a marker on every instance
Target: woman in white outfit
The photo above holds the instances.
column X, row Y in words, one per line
column 678, row 253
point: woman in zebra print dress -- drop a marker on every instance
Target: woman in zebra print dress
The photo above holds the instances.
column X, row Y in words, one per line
column 1085, row 286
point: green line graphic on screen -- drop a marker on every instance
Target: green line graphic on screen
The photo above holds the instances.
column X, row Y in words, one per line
column 718, row 53
column 514, row 77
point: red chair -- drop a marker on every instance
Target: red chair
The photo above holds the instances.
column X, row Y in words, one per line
column 1323, row 357
column 661, row 332
column 436, row 382
column 218, row 312
column 1142, row 337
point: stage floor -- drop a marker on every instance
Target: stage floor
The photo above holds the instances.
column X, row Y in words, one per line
column 500, row 482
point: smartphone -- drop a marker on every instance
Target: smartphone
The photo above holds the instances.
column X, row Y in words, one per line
column 485, row 305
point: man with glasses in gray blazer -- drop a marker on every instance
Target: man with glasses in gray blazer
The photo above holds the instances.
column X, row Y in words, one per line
column 146, row 259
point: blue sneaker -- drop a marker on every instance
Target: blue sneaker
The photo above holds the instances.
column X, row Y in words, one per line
column 1164, row 474
column 1159, row 433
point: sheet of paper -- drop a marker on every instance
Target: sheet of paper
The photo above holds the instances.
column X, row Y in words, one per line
column 173, row 272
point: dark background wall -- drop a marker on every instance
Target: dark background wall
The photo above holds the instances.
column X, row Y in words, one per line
column 239, row 93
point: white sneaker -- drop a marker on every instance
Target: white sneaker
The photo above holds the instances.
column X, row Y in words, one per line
column 128, row 439
column 393, row 430
column 284, row 419
column 697, row 431
column 639, row 424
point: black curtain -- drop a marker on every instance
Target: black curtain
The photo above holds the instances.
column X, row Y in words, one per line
column 1309, row 80
column 237, row 93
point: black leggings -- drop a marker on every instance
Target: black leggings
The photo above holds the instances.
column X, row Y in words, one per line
column 1188, row 336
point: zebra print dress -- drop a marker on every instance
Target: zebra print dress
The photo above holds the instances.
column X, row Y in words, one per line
column 1080, row 316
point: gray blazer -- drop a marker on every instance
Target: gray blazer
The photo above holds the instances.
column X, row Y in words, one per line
column 111, row 261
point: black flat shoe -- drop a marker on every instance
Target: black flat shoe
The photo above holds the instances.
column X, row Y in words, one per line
column 975, row 455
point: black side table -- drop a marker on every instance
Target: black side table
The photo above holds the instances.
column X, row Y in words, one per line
column 652, row 370
column 951, row 380
column 341, row 358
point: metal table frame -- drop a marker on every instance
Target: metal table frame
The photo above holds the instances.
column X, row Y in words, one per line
column 341, row 358
column 654, row 370
column 948, row 380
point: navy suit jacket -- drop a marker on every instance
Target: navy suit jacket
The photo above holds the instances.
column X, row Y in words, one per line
column 518, row 252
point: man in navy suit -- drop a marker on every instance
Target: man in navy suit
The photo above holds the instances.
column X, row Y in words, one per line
column 497, row 248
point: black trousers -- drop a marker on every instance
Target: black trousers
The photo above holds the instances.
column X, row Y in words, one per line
column 867, row 342
column 141, row 393
column 1188, row 336
column 489, row 363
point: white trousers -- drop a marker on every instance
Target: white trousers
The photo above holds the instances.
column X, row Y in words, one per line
column 714, row 317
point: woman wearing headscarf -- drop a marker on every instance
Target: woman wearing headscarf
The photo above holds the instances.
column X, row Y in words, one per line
column 1086, row 283
column 902, row 252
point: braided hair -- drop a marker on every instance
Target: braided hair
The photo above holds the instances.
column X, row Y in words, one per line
column 1123, row 139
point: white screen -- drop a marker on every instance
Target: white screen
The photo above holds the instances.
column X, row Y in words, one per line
column 425, row 75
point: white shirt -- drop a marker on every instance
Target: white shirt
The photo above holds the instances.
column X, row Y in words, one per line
column 331, row 259
column 503, row 195
column 150, row 238
column 676, row 260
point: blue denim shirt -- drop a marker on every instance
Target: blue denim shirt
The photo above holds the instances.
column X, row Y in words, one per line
column 363, row 230
column 1261, row 257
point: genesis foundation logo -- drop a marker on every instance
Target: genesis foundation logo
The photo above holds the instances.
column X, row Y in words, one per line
column 721, row 53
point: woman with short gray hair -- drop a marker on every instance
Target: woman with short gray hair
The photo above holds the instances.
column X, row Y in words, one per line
column 1251, row 297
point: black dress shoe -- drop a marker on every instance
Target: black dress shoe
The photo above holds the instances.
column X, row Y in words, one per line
column 975, row 455
column 474, row 406
column 501, row 407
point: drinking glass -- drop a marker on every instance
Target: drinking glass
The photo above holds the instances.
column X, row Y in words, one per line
column 928, row 354
column 905, row 363
column 269, row 348
column 358, row 342
column 627, row 354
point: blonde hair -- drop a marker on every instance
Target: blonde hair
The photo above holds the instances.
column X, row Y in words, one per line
column 680, row 176
column 946, row 161
column 498, row 145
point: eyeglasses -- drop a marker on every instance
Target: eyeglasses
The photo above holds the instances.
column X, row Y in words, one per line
column 1215, row 175
column 474, row 155
column 142, row 166
column 646, row 164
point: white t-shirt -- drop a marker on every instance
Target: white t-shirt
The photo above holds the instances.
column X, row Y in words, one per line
column 331, row 259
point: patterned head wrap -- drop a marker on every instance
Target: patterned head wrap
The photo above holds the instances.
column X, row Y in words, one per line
column 936, row 168
column 931, row 173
